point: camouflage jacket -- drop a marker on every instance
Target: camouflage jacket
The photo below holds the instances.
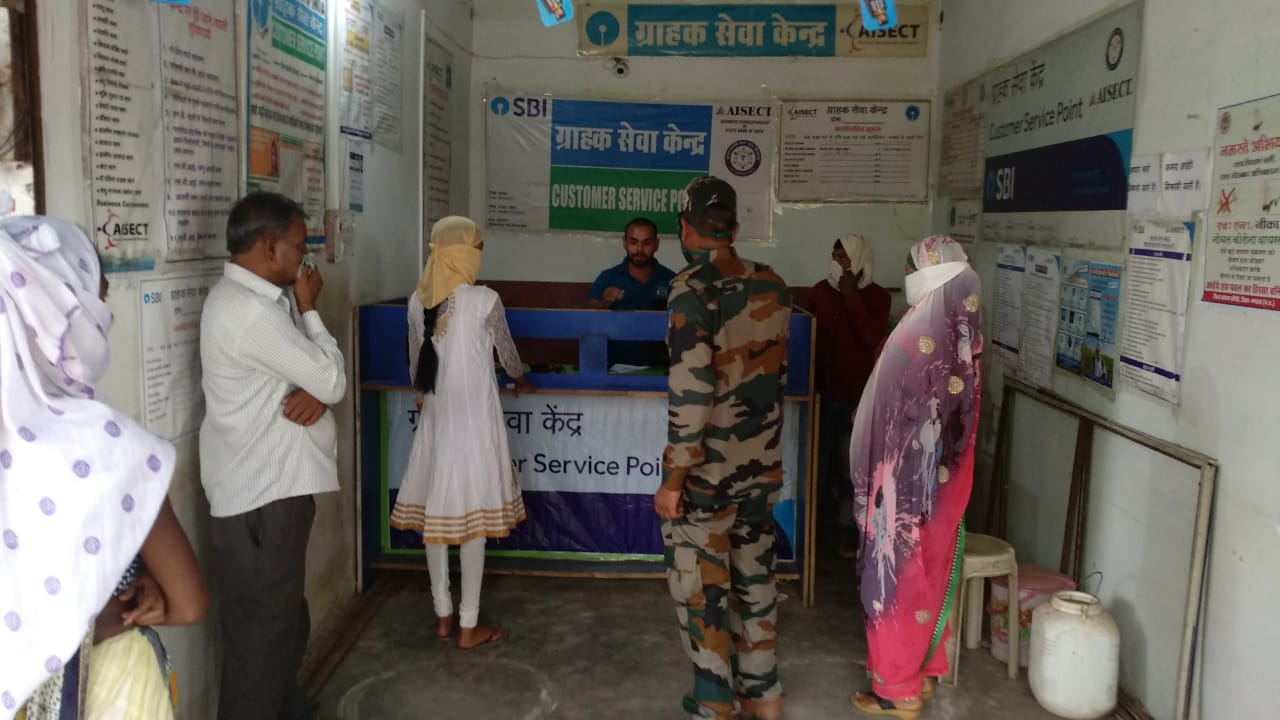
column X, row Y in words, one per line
column 727, row 333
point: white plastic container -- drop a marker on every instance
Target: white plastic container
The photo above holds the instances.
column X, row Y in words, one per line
column 1075, row 657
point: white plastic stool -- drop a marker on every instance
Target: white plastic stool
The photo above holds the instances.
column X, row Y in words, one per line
column 984, row 557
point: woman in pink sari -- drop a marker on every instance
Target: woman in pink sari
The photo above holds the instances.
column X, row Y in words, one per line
column 911, row 461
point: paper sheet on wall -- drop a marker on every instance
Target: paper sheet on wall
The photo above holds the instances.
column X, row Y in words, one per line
column 1144, row 184
column 964, row 218
column 1157, row 283
column 1241, row 264
column 1041, row 283
column 202, row 126
column 357, row 154
column 1184, row 183
column 355, row 104
column 854, row 151
column 1006, row 316
column 169, row 314
column 388, row 48
column 963, row 141
column 287, row 58
column 124, row 140
column 437, row 145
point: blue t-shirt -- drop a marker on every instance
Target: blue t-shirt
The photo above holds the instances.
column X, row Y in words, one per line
column 635, row 296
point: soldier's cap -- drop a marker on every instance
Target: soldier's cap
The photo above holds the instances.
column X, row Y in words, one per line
column 708, row 197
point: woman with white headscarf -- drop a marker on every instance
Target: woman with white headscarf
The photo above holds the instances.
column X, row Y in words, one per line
column 460, row 485
column 82, row 497
column 912, row 469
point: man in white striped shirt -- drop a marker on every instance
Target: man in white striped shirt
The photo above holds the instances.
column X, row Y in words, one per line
column 267, row 445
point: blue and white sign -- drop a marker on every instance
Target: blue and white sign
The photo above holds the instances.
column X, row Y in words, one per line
column 834, row 30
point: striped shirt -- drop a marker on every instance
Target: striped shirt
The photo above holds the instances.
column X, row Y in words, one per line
column 253, row 354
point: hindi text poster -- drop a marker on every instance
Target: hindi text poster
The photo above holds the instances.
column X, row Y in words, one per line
column 1156, row 283
column 124, row 143
column 355, row 104
column 1241, row 264
column 854, row 151
column 1040, row 307
column 201, row 122
column 173, row 402
column 388, row 98
column 1006, row 316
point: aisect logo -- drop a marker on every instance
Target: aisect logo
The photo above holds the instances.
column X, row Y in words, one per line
column 530, row 107
column 114, row 232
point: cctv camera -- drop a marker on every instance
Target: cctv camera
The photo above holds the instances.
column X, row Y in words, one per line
column 619, row 67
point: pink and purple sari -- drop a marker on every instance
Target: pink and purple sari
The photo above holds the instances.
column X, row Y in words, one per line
column 911, row 462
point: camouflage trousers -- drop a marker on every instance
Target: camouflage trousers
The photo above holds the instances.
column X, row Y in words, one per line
column 719, row 560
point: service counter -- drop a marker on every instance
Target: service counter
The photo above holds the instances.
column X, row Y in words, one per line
column 587, row 445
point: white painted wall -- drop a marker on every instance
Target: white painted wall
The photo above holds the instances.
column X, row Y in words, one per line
column 515, row 51
column 1195, row 57
column 386, row 265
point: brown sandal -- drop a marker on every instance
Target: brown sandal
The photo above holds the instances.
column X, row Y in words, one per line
column 444, row 627
column 497, row 634
column 872, row 704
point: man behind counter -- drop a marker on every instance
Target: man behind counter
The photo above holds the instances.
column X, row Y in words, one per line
column 639, row 282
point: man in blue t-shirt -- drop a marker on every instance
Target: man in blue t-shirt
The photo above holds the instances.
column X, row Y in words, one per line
column 639, row 282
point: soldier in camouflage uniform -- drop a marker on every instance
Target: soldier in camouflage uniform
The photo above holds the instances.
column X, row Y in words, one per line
column 722, row 468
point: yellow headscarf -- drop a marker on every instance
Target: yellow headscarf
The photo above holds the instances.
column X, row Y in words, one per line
column 455, row 259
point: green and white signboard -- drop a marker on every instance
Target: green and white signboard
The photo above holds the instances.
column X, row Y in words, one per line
column 593, row 165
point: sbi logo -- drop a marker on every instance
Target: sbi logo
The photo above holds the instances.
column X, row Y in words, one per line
column 260, row 10
column 999, row 184
column 521, row 107
column 913, row 113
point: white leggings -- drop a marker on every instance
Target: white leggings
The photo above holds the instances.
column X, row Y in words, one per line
column 472, row 555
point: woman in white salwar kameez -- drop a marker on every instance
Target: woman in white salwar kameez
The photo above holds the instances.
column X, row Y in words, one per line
column 460, row 487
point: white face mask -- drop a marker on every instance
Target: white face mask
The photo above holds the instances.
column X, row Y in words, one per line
column 833, row 274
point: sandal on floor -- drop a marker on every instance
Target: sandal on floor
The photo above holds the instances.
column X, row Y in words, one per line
column 496, row 635
column 759, row 709
column 926, row 688
column 871, row 704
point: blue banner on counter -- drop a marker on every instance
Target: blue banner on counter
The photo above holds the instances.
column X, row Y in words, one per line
column 587, row 467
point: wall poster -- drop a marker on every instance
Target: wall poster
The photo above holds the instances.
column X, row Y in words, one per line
column 286, row 103
column 1241, row 264
column 854, row 151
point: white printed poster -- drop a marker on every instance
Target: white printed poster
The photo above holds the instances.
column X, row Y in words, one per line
column 287, row 58
column 593, row 165
column 355, row 103
column 202, row 126
column 357, row 153
column 125, row 146
column 173, row 402
column 854, row 151
column 1241, row 265
column 1157, row 283
column 964, row 221
column 388, row 49
column 964, row 136
column 1184, row 183
column 1059, row 132
column 437, row 145
column 1144, row 184
column 1041, row 282
column 1006, row 316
